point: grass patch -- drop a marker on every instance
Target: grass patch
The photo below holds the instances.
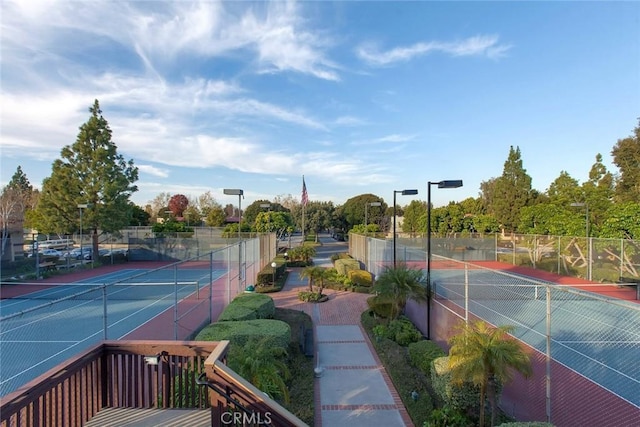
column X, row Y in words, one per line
column 301, row 386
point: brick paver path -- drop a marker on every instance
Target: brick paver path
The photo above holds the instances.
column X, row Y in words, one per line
column 343, row 309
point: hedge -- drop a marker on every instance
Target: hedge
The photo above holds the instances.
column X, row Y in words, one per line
column 343, row 266
column 360, row 277
column 422, row 353
column 460, row 397
column 248, row 307
column 241, row 332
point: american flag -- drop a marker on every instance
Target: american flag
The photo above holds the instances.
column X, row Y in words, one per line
column 305, row 196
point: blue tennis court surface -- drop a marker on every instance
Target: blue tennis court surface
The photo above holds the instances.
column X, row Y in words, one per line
column 51, row 331
column 596, row 336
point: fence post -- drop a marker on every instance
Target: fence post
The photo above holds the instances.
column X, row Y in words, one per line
column 175, row 303
column 104, row 311
column 466, row 293
column 548, row 356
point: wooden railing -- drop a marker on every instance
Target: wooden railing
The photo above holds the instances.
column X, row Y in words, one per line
column 137, row 374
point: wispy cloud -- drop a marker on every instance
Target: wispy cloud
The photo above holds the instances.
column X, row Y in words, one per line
column 483, row 45
column 387, row 139
column 152, row 170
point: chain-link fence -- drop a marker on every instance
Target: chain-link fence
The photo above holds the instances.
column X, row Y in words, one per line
column 584, row 345
column 44, row 323
column 594, row 259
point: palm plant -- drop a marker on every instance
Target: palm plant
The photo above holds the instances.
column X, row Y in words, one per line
column 261, row 363
column 487, row 357
column 314, row 274
column 396, row 285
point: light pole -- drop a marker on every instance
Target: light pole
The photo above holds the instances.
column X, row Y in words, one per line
column 404, row 193
column 273, row 266
column 365, row 213
column 81, row 206
column 441, row 184
column 586, row 207
column 240, row 193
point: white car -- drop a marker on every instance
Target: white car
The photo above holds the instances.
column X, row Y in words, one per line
column 49, row 253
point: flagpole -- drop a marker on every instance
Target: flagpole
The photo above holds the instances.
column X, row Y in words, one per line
column 303, row 207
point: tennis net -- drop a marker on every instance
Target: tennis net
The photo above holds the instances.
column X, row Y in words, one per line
column 99, row 291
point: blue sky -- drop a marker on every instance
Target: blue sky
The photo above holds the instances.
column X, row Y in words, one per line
column 359, row 97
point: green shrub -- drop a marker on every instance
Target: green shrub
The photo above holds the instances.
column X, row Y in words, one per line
column 243, row 305
column 406, row 378
column 307, row 296
column 361, row 289
column 266, row 275
column 343, row 266
column 400, row 330
column 447, row 417
column 381, row 309
column 459, row 397
column 342, row 255
column 236, row 313
column 241, row 332
column 360, row 277
column 423, row 352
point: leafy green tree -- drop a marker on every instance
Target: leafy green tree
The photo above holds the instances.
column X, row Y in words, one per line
column 626, row 156
column 254, row 209
column 414, row 217
column 599, row 193
column 269, row 222
column 564, row 190
column 216, row 217
column 484, row 223
column 512, row 191
column 206, row 202
column 397, row 285
column 353, row 210
column 487, row 357
column 319, row 216
column 139, row 216
column 623, row 221
column 92, row 173
column 192, row 215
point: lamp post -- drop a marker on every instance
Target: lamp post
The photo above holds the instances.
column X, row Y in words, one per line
column 441, row 184
column 240, row 193
column 586, row 207
column 404, row 193
column 81, row 206
column 365, row 213
column 273, row 266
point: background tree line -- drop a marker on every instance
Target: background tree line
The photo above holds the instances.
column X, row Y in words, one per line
column 91, row 173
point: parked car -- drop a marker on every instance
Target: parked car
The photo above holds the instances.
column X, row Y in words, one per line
column 48, row 253
column 77, row 254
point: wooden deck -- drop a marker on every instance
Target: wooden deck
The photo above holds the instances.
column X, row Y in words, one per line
column 134, row 417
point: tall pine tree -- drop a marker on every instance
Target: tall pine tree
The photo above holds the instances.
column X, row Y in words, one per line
column 511, row 191
column 90, row 172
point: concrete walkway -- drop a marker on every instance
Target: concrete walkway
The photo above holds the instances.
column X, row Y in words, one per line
column 353, row 388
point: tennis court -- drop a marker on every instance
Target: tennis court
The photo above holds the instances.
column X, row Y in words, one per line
column 43, row 325
column 594, row 335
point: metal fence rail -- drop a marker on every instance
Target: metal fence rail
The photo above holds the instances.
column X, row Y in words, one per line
column 72, row 323
column 586, row 344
